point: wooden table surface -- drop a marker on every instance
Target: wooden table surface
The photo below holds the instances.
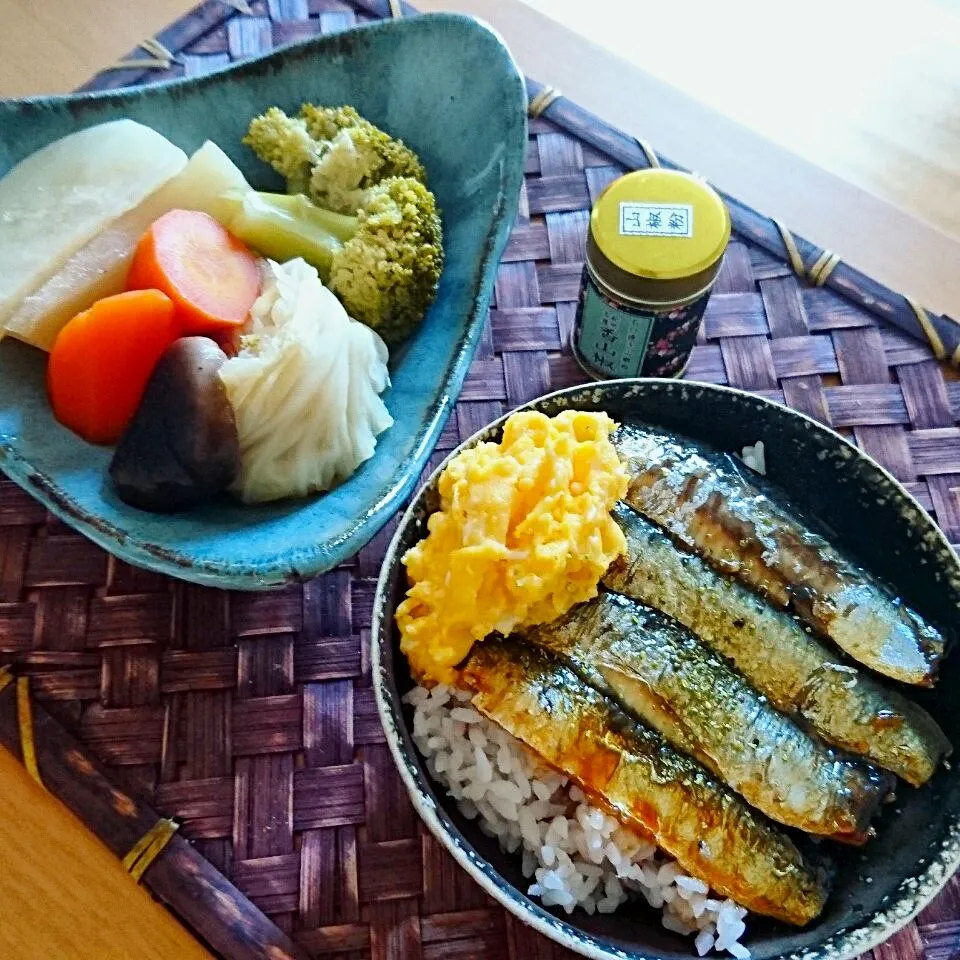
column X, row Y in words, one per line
column 860, row 153
column 64, row 895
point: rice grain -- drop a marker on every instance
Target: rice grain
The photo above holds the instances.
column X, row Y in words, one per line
column 575, row 854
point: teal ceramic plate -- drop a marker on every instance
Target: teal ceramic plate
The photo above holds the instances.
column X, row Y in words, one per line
column 448, row 86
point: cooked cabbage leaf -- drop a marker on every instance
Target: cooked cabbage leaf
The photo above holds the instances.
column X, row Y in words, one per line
column 305, row 389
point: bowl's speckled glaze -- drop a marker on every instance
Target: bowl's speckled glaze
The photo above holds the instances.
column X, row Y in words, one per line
column 879, row 888
column 448, row 86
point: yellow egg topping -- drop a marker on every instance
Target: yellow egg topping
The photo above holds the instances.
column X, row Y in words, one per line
column 523, row 533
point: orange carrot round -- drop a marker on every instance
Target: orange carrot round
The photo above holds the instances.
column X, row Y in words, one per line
column 210, row 275
column 102, row 359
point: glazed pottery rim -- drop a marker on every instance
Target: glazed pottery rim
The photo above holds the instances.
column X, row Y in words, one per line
column 848, row 943
column 299, row 43
column 276, row 568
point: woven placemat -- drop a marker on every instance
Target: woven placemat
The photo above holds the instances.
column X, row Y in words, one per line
column 250, row 717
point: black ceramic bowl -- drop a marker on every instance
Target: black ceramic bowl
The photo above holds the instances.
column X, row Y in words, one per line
column 879, row 888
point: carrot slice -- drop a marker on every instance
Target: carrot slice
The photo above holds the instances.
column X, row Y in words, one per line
column 102, row 359
column 210, row 275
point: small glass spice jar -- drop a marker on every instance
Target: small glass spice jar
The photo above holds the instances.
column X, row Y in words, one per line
column 654, row 248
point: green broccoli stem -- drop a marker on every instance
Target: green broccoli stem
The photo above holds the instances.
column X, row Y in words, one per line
column 282, row 227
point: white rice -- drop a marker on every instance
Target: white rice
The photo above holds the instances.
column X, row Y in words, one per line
column 755, row 457
column 575, row 854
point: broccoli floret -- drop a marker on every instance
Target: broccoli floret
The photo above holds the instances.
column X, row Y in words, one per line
column 354, row 154
column 286, row 145
column 337, row 175
column 348, row 153
column 387, row 273
column 371, row 229
column 384, row 262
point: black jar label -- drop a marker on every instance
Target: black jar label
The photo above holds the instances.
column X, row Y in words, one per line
column 613, row 339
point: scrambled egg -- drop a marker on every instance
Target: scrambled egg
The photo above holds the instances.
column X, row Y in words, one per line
column 523, row 533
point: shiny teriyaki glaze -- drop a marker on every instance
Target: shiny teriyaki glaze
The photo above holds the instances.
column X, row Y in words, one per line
column 660, row 671
column 630, row 769
column 708, row 506
column 844, row 705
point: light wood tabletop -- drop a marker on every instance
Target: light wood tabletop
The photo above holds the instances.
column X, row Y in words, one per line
column 843, row 121
column 65, row 896
column 867, row 89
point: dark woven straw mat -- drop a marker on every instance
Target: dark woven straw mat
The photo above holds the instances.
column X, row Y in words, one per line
column 250, row 717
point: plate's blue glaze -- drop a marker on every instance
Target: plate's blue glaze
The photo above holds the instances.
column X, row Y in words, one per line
column 448, row 86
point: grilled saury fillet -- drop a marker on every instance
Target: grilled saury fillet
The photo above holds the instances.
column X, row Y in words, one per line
column 801, row 676
column 658, row 670
column 666, row 795
column 702, row 500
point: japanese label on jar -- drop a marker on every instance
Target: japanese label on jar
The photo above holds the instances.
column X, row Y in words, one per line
column 656, row 219
column 612, row 340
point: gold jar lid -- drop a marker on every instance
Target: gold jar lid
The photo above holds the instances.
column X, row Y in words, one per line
column 658, row 235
